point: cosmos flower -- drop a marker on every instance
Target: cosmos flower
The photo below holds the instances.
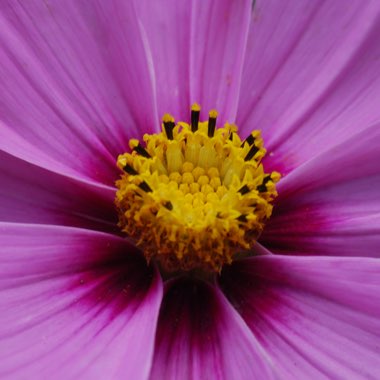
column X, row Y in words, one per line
column 82, row 82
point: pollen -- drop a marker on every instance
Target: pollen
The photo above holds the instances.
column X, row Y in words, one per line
column 194, row 196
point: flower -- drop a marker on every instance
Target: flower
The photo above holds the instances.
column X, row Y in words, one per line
column 80, row 79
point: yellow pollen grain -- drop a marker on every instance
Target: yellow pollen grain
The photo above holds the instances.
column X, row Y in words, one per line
column 189, row 198
column 187, row 178
column 167, row 118
column 194, row 188
column 206, row 189
column 203, row 180
column 133, row 143
column 163, row 179
column 196, row 107
column 213, row 114
column 173, row 185
column 213, row 172
column 215, row 182
column 184, row 187
column 187, row 167
column 198, row 172
column 176, row 177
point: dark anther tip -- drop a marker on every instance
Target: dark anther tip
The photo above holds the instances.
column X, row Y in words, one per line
column 145, row 187
column 249, row 140
column 168, row 205
column 169, row 126
column 261, row 188
column 130, row 170
column 254, row 149
column 242, row 218
column 142, row 151
column 195, row 112
column 212, row 123
column 244, row 190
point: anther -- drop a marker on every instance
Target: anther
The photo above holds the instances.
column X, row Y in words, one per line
column 195, row 112
column 130, row 170
column 212, row 122
column 254, row 149
column 244, row 190
column 141, row 151
column 169, row 125
column 145, row 187
column 262, row 188
column 168, row 205
column 233, row 129
column 249, row 140
column 242, row 218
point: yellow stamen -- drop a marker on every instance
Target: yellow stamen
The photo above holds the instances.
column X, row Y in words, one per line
column 196, row 107
column 195, row 196
column 213, row 114
column 167, row 118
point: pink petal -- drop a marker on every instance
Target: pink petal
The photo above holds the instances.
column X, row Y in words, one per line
column 75, row 84
column 352, row 159
column 329, row 205
column 339, row 220
column 311, row 76
column 54, row 250
column 197, row 51
column 74, row 304
column 201, row 337
column 317, row 318
column 30, row 194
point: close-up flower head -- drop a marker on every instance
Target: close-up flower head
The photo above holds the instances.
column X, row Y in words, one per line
column 190, row 189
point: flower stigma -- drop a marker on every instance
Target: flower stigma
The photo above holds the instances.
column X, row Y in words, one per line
column 194, row 196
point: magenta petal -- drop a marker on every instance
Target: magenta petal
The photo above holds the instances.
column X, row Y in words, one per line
column 197, row 51
column 329, row 205
column 354, row 158
column 74, row 304
column 338, row 220
column 75, row 84
column 29, row 194
column 39, row 250
column 317, row 318
column 200, row 336
column 311, row 76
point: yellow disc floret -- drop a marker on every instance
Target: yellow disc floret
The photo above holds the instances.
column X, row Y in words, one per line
column 194, row 196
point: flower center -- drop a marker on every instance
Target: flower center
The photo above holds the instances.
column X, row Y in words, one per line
column 194, row 196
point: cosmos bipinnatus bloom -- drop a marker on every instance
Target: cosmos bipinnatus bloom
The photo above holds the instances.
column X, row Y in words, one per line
column 189, row 189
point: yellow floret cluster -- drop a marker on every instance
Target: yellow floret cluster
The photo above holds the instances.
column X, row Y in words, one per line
column 194, row 196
